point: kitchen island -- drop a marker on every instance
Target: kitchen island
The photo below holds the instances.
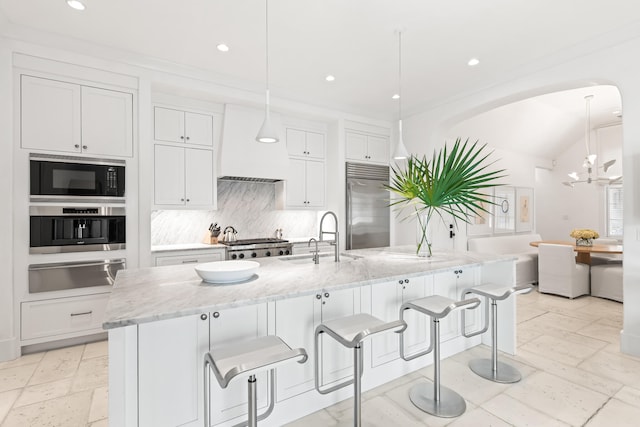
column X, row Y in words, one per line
column 162, row 320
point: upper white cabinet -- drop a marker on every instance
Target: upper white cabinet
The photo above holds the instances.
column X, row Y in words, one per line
column 301, row 143
column 183, row 176
column 68, row 117
column 367, row 148
column 171, row 125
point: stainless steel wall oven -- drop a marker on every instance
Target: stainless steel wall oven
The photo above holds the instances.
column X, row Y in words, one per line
column 76, row 229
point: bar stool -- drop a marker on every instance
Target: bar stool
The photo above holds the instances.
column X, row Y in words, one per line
column 351, row 331
column 439, row 400
column 492, row 369
column 248, row 358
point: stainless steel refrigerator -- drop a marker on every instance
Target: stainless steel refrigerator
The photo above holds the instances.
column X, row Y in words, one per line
column 368, row 211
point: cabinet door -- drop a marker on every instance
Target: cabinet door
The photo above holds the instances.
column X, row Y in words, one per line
column 337, row 360
column 169, row 175
column 314, row 179
column 107, row 122
column 189, row 259
column 296, row 183
column 170, row 373
column 198, row 129
column 445, row 284
column 168, row 125
column 199, row 177
column 468, row 279
column 386, row 299
column 229, row 326
column 378, row 149
column 296, row 144
column 295, row 324
column 356, row 146
column 315, row 145
column 49, row 115
column 416, row 337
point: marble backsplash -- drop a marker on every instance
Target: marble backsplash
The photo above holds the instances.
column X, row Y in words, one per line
column 248, row 206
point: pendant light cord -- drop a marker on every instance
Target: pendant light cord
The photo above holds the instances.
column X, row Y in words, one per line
column 266, row 15
column 587, row 131
column 399, row 75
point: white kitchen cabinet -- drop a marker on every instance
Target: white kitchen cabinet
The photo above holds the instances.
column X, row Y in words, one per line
column 227, row 327
column 309, row 312
column 68, row 117
column 305, row 186
column 172, row 125
column 170, row 375
column 306, row 144
column 195, row 258
column 386, row 299
column 367, row 148
column 183, row 177
column 450, row 284
column 63, row 317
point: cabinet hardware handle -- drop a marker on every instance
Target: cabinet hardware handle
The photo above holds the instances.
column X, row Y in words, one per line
column 318, row 296
column 188, row 138
column 77, row 145
column 182, row 200
column 189, row 261
column 326, row 294
column 81, row 314
column 203, row 316
column 188, row 200
column 406, row 280
column 216, row 314
column 400, row 281
column 181, row 137
column 460, row 271
column 84, row 147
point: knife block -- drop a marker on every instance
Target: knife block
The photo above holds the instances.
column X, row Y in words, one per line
column 211, row 240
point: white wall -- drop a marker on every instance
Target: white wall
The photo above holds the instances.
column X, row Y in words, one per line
column 619, row 66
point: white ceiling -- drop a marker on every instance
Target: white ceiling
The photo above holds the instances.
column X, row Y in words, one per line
column 353, row 39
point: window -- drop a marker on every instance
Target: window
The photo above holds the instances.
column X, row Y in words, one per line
column 614, row 211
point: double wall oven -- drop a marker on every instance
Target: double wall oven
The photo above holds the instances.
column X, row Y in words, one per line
column 77, row 205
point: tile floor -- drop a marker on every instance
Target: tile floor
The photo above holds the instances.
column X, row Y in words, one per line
column 568, row 354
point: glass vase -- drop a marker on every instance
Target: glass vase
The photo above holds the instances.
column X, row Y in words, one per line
column 423, row 237
column 584, row 242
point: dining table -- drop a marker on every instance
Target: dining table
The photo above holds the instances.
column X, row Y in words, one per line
column 583, row 253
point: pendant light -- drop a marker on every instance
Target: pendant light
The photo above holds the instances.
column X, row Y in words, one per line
column 400, row 152
column 267, row 133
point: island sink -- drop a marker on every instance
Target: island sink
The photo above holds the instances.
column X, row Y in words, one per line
column 325, row 257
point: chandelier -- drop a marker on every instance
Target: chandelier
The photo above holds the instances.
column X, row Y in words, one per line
column 589, row 162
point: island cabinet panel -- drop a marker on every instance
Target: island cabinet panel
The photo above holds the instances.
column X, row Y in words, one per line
column 230, row 326
column 386, row 299
column 296, row 321
column 170, row 380
column 450, row 284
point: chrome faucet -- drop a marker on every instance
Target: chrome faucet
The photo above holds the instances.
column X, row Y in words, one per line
column 316, row 256
column 336, row 234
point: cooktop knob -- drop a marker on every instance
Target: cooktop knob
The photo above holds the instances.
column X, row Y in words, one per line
column 286, row 252
column 241, row 256
column 234, row 256
column 268, row 253
column 253, row 255
column 281, row 252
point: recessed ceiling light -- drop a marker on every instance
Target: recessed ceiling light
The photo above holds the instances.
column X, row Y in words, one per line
column 76, row 4
column 223, row 47
column 395, row 96
column 330, row 78
column 473, row 62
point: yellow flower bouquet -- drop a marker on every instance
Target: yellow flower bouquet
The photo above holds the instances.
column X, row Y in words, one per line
column 584, row 236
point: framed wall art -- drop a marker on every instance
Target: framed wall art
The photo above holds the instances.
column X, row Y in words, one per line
column 482, row 223
column 504, row 210
column 524, row 209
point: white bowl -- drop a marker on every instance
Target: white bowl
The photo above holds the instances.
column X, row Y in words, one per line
column 227, row 271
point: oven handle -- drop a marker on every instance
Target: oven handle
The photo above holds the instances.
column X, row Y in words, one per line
column 37, row 267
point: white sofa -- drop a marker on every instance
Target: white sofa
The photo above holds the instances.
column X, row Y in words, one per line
column 516, row 245
column 606, row 281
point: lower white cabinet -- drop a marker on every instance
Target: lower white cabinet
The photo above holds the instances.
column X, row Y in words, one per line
column 386, row 299
column 309, row 311
column 63, row 316
column 170, row 371
column 450, row 284
column 195, row 258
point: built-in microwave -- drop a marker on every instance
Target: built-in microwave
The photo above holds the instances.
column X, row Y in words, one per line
column 55, row 229
column 56, row 178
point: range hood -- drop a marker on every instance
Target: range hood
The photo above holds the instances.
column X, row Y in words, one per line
column 242, row 158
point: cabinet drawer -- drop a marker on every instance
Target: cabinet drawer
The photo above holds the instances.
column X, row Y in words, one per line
column 62, row 315
column 188, row 259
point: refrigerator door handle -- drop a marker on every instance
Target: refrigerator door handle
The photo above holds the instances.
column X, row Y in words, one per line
column 349, row 218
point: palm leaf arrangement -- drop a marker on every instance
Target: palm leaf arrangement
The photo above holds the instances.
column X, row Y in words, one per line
column 451, row 182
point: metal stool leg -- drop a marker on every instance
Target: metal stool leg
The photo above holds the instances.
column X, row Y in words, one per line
column 491, row 369
column 438, row 400
column 253, row 402
column 357, row 385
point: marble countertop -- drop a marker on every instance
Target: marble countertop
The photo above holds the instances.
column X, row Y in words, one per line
column 156, row 293
column 185, row 247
